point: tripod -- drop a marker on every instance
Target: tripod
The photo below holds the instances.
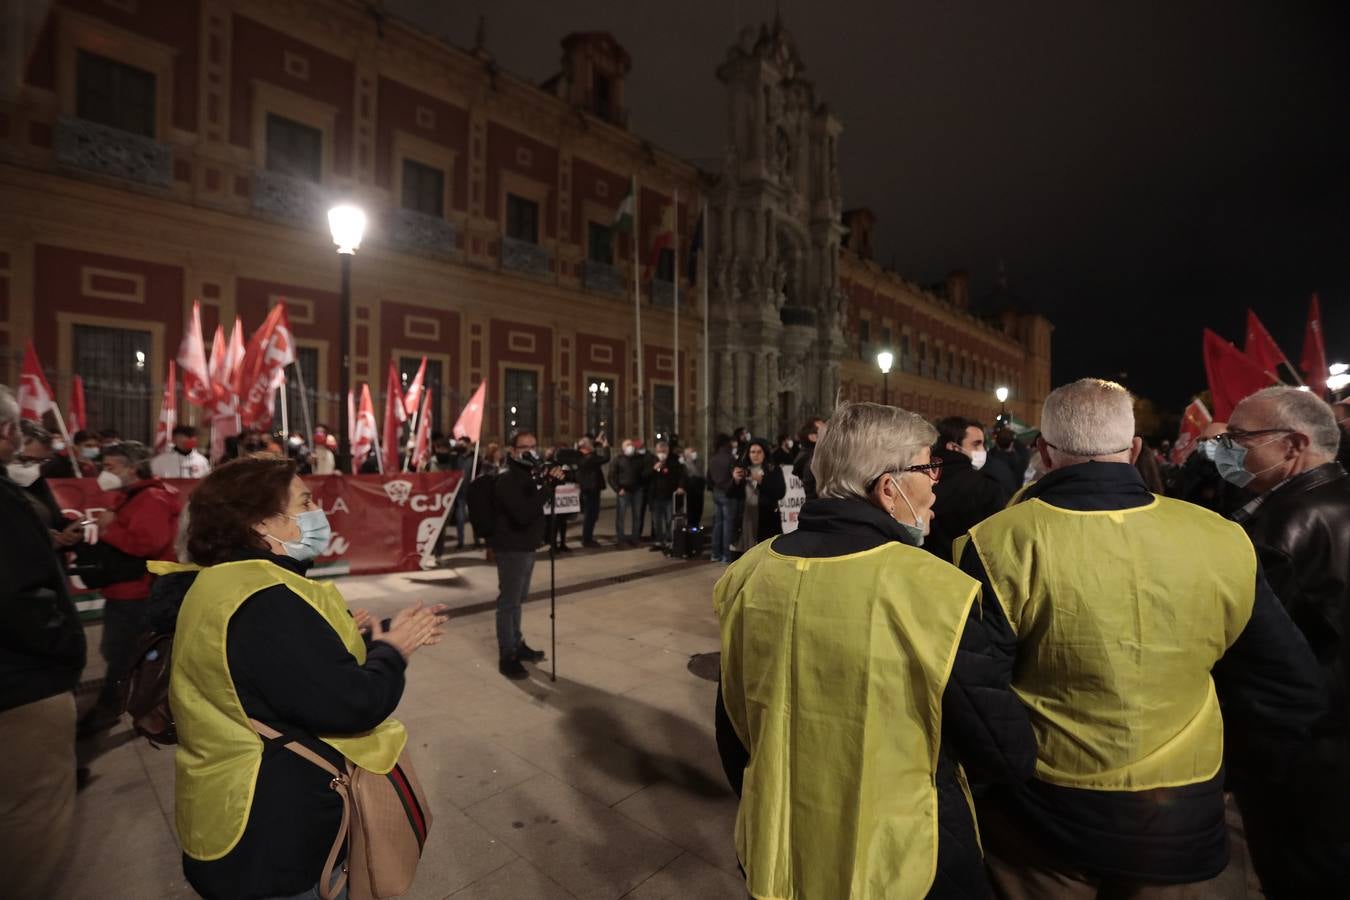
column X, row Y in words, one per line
column 552, row 577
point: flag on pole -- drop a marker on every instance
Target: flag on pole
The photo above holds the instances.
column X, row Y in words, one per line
column 423, row 443
column 1193, row 423
column 235, row 358
column 270, row 350
column 664, row 239
column 197, row 386
column 1232, row 375
column 623, row 216
column 1314, row 361
column 79, row 415
column 168, row 412
column 414, row 393
column 35, row 394
column 394, row 417
column 695, row 248
column 218, row 368
column 363, row 430
column 1262, row 349
column 470, row 421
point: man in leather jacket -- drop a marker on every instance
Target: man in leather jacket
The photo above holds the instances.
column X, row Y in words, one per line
column 1283, row 443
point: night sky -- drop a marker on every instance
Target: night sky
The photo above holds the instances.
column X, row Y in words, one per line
column 1141, row 169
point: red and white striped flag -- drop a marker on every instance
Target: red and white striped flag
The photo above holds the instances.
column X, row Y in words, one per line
column 422, row 445
column 470, row 421
column 363, row 430
column 35, row 394
column 197, row 387
column 269, row 351
column 413, row 395
column 168, row 412
column 79, row 415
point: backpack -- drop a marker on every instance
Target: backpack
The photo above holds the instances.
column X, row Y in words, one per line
column 147, row 690
column 481, row 498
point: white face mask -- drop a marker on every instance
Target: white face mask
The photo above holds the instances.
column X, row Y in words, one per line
column 978, row 458
column 24, row 474
column 108, row 481
column 661, row 456
column 693, row 457
column 628, row 450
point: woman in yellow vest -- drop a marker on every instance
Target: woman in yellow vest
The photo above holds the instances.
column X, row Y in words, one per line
column 256, row 639
column 857, row 680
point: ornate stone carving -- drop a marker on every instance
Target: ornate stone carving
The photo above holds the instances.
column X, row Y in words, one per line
column 111, row 151
column 420, row 233
column 290, row 199
column 603, row 277
column 524, row 257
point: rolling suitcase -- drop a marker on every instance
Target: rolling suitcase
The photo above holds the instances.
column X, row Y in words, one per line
column 685, row 542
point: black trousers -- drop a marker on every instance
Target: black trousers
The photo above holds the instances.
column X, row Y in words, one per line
column 590, row 513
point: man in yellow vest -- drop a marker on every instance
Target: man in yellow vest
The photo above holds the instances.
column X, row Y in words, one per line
column 1134, row 616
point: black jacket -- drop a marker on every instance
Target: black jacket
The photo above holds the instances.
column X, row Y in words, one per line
column 291, row 671
column 965, row 497
column 719, row 471
column 629, row 473
column 666, row 476
column 518, row 504
column 1007, row 467
column 591, row 470
column 984, row 725
column 801, row 467
column 41, row 638
column 1267, row 682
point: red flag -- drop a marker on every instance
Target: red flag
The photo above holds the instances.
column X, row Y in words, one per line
column 663, row 239
column 394, row 416
column 423, row 443
column 168, row 412
column 192, row 359
column 363, row 430
column 1193, row 423
column 235, row 357
column 269, row 351
column 79, row 416
column 1262, row 349
column 219, row 369
column 1314, row 361
column 1232, row 375
column 414, row 393
column 471, row 420
column 35, row 394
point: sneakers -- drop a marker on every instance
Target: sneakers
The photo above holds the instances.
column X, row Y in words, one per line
column 512, row 669
column 527, row 654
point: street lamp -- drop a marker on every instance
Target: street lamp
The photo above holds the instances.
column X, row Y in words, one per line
column 1002, row 394
column 884, row 360
column 1338, row 376
column 347, row 224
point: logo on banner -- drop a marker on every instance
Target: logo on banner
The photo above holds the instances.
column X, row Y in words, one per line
column 398, row 491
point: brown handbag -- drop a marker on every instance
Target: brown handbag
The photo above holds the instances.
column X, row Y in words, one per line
column 385, row 820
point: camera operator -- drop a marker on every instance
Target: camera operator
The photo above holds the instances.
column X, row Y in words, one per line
column 518, row 504
column 591, row 479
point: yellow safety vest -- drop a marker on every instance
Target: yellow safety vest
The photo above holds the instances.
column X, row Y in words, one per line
column 218, row 751
column 1120, row 615
column 832, row 673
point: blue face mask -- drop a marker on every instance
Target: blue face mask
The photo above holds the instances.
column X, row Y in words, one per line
column 1231, row 461
column 315, row 532
column 917, row 530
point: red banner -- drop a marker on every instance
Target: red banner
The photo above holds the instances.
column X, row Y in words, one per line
column 381, row 523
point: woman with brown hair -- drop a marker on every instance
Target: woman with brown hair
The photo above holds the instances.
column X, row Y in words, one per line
column 257, row 640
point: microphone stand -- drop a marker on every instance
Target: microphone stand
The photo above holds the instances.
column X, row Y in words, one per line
column 552, row 580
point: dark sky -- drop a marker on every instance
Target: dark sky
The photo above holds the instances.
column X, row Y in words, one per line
column 1142, row 169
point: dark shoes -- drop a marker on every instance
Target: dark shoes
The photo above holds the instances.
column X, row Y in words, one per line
column 512, row 669
column 525, row 653
column 96, row 721
column 563, row 548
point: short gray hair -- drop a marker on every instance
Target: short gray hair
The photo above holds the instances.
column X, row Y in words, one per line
column 135, row 453
column 1304, row 412
column 9, row 407
column 1088, row 418
column 863, row 441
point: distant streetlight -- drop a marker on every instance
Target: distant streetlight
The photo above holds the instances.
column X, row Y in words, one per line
column 884, row 360
column 1338, row 376
column 347, row 223
column 1002, row 394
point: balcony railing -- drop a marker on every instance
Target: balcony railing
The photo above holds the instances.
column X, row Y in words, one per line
column 110, row 151
column 290, row 199
column 422, row 234
column 525, row 257
column 601, row 276
column 662, row 293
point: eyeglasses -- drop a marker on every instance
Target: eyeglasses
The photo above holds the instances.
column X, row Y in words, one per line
column 1232, row 435
column 933, row 470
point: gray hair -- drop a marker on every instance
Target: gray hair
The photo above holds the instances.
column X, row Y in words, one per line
column 9, row 407
column 1088, row 418
column 135, row 453
column 863, row 441
column 1304, row 412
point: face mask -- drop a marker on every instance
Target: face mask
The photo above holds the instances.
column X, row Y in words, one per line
column 978, row 458
column 59, row 446
column 693, row 457
column 790, row 444
column 660, row 456
column 108, row 481
column 628, row 451
column 23, row 474
column 919, row 528
column 89, row 452
column 296, row 442
column 315, row 532
column 1232, row 463
column 528, row 458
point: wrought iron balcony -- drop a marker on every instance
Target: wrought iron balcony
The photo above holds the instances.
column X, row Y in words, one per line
column 601, row 276
column 110, row 151
column 289, row 199
column 524, row 257
column 420, row 233
column 662, row 293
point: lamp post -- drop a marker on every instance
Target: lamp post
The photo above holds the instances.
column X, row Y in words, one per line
column 1338, row 377
column 347, row 223
column 884, row 360
column 1002, row 394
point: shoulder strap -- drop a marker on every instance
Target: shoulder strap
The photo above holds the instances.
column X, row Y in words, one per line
column 328, row 888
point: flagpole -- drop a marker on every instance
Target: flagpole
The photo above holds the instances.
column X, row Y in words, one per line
column 703, row 285
column 637, row 313
column 675, row 252
column 285, row 413
column 304, row 401
column 417, row 415
column 65, row 436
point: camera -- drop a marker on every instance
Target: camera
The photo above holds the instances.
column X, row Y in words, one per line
column 566, row 459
